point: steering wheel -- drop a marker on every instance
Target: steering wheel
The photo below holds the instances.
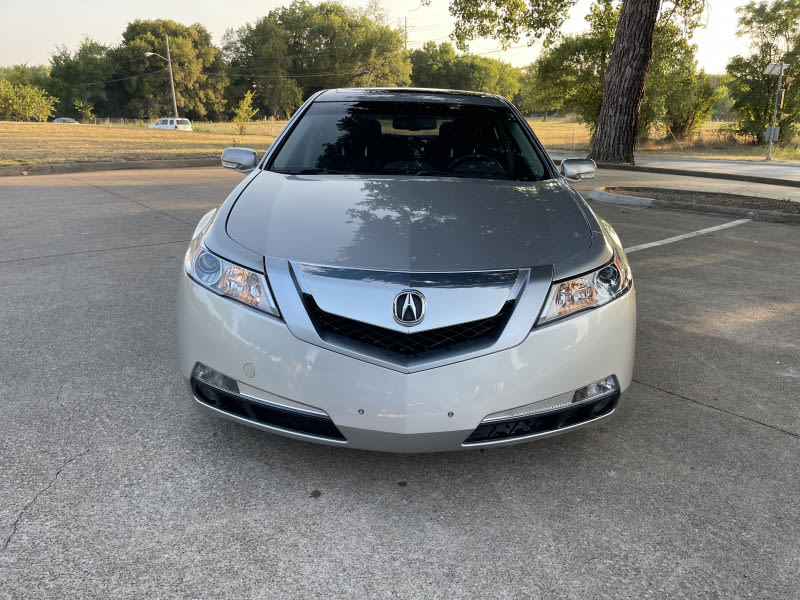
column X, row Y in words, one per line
column 478, row 163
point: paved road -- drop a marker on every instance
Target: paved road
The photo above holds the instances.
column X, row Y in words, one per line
column 113, row 486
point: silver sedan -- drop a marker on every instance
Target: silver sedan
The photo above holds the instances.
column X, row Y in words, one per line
column 406, row 271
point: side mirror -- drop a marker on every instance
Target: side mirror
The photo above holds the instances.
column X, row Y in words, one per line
column 577, row 169
column 242, row 160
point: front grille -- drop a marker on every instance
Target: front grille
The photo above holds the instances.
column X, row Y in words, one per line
column 544, row 422
column 264, row 414
column 407, row 344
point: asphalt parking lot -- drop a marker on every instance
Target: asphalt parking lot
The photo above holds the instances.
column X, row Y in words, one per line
column 114, row 486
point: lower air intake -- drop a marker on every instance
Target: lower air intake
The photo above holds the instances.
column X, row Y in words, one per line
column 263, row 414
column 545, row 422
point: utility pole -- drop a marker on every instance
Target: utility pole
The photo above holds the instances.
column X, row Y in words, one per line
column 774, row 69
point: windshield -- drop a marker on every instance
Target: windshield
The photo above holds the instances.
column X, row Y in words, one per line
column 409, row 138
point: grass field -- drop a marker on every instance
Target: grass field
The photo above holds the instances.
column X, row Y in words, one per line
column 52, row 143
column 39, row 143
column 710, row 141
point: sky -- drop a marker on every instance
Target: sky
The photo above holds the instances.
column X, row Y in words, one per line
column 31, row 31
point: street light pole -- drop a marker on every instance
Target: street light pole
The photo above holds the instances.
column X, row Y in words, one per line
column 171, row 79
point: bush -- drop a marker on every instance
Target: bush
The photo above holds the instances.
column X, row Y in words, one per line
column 244, row 112
column 24, row 102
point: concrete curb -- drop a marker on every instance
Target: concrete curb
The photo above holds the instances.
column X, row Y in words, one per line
column 705, row 174
column 603, row 197
column 53, row 169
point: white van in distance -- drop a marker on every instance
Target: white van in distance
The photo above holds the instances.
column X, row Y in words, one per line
column 179, row 124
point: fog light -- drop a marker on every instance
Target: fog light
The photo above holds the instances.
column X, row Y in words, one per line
column 215, row 379
column 604, row 387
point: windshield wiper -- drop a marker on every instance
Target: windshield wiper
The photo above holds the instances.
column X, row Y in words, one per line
column 318, row 172
column 435, row 173
column 420, row 172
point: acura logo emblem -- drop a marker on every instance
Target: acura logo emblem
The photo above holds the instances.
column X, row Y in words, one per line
column 409, row 307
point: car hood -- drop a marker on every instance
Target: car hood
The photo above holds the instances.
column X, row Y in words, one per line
column 403, row 223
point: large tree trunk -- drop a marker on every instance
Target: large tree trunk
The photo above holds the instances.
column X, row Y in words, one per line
column 623, row 86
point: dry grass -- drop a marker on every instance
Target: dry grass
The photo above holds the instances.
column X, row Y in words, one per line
column 563, row 135
column 710, row 141
column 42, row 143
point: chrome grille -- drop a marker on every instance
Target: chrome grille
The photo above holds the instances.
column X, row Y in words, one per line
column 407, row 344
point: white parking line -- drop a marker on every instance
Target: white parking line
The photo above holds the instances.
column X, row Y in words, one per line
column 686, row 236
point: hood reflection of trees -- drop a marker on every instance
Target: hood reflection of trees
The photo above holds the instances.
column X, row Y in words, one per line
column 459, row 227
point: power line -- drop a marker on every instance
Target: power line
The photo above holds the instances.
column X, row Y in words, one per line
column 286, row 75
column 151, row 74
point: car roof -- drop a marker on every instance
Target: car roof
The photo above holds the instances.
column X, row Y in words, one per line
column 413, row 95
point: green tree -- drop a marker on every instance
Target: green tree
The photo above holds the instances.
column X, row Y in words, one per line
column 507, row 20
column 79, row 78
column 259, row 59
column 440, row 66
column 691, row 106
column 26, row 75
column 626, row 73
column 722, row 109
column 531, row 98
column 677, row 95
column 244, row 112
column 142, row 82
column 569, row 77
column 433, row 66
column 569, row 74
column 333, row 46
column 7, row 99
column 775, row 24
column 775, row 32
column 297, row 50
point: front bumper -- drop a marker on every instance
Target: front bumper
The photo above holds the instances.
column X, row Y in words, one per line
column 281, row 381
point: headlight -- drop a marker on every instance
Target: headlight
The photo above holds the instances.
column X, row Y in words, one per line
column 227, row 279
column 567, row 298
